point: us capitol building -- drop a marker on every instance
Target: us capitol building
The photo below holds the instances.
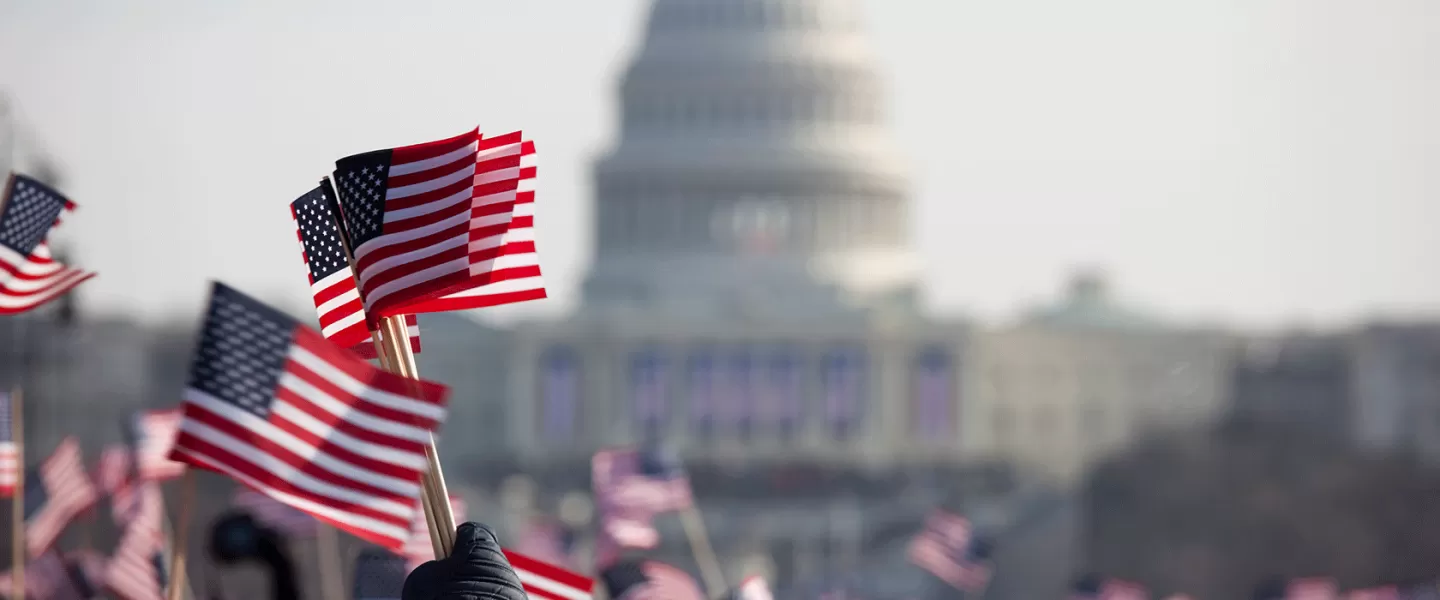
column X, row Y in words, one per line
column 753, row 302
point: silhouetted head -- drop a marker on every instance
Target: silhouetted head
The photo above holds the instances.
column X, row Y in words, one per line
column 1088, row 583
column 1271, row 589
column 659, row 461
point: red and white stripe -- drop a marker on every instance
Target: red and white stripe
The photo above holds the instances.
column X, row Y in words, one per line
column 545, row 581
column 9, row 451
column 68, row 493
column 158, row 431
column 337, row 304
column 502, row 231
column 27, row 282
column 113, row 477
column 343, row 441
column 131, row 572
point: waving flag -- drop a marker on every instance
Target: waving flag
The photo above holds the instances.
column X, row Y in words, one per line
column 429, row 220
column 152, row 435
column 9, row 452
column 635, row 481
column 514, row 275
column 87, row 569
column 280, row 409
column 137, row 571
column 113, row 475
column 29, row 276
column 545, row 581
column 332, row 282
column 949, row 550
column 55, row 493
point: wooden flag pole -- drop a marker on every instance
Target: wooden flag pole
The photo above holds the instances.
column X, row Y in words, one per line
column 397, row 358
column 182, row 537
column 17, row 501
column 704, row 553
column 327, row 547
column 396, row 338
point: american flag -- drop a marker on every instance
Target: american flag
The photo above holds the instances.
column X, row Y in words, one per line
column 1314, row 588
column 753, row 588
column 152, row 434
column 46, row 578
column 843, row 385
column 275, row 406
column 417, row 549
column 9, row 452
column 29, row 275
column 379, row 575
column 949, row 550
column 113, row 475
column 332, row 283
column 429, row 220
column 633, row 481
column 933, row 408
column 274, row 514
column 55, row 493
column 137, row 570
column 546, row 581
column 515, row 273
column 658, row 581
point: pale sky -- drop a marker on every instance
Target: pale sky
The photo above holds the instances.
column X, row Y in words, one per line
column 1262, row 162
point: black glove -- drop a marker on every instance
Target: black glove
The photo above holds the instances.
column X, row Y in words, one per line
column 475, row 570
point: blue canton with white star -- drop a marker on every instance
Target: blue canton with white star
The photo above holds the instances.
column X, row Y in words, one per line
column 242, row 351
column 30, row 212
column 320, row 234
column 362, row 181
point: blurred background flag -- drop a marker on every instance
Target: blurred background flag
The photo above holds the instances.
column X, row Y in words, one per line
column 948, row 548
column 9, row 453
column 55, row 493
column 137, row 569
column 29, row 275
column 152, row 435
column 332, row 282
column 753, row 587
column 280, row 409
column 114, row 476
column 46, row 578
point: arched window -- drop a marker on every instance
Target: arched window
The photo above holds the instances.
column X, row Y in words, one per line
column 737, row 397
column 700, row 384
column 649, row 391
column 559, row 393
column 932, row 399
column 843, row 381
column 780, row 393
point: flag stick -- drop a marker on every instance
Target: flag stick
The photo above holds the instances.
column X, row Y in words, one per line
column 397, row 358
column 17, row 501
column 182, row 536
column 704, row 553
column 397, row 340
column 328, row 549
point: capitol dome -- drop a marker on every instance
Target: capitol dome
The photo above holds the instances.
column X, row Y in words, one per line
column 754, row 169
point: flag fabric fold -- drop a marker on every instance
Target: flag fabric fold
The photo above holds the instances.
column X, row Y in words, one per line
column 430, row 220
column 332, row 282
column 281, row 410
column 29, row 275
column 152, row 434
column 137, row 570
column 274, row 514
column 55, row 493
column 948, row 548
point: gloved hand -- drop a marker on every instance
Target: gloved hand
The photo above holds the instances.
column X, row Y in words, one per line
column 475, row 570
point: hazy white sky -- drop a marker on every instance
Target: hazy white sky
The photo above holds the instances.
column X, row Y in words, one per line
column 1267, row 162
